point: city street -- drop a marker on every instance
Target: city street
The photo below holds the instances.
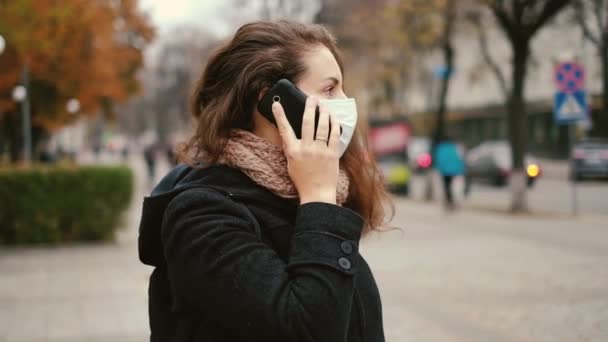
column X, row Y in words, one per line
column 473, row 275
column 550, row 196
column 553, row 193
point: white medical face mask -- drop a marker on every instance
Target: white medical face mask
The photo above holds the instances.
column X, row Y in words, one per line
column 345, row 110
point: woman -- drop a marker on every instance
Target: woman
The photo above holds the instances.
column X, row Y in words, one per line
column 262, row 244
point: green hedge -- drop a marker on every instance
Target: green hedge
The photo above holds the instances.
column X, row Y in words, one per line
column 59, row 204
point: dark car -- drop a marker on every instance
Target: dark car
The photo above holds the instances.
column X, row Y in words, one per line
column 589, row 158
column 491, row 161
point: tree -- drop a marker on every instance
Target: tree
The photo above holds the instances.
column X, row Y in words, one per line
column 592, row 17
column 89, row 50
column 520, row 20
column 475, row 17
column 168, row 80
column 448, row 55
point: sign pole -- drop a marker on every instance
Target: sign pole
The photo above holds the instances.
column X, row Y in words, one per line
column 570, row 107
column 573, row 180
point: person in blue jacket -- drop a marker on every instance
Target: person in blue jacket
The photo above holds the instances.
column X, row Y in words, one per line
column 449, row 163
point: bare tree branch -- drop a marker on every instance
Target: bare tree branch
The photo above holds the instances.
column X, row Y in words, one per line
column 503, row 19
column 599, row 13
column 518, row 11
column 579, row 11
column 485, row 52
column 551, row 8
column 531, row 12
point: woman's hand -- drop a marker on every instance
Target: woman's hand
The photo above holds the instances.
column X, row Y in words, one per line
column 313, row 161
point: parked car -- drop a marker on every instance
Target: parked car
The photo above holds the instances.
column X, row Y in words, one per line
column 419, row 152
column 589, row 158
column 491, row 161
column 388, row 141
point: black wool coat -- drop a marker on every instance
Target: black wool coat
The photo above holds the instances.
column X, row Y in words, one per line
column 234, row 262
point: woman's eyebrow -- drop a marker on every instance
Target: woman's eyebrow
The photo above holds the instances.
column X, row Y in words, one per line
column 333, row 79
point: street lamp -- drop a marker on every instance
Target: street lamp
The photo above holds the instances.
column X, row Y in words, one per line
column 20, row 94
column 73, row 106
column 2, row 44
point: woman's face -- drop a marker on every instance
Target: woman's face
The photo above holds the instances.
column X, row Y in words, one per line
column 323, row 77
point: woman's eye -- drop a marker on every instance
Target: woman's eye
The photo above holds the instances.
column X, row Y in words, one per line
column 330, row 91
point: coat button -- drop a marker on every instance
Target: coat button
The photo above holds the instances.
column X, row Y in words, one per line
column 347, row 247
column 344, row 263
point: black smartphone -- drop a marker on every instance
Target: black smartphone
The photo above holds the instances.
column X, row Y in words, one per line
column 293, row 101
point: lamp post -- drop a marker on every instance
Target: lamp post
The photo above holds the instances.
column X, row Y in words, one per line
column 21, row 95
column 73, row 106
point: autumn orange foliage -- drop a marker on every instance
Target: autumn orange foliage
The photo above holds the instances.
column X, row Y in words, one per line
column 85, row 49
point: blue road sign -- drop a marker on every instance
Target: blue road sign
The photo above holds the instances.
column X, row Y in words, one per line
column 570, row 107
column 442, row 71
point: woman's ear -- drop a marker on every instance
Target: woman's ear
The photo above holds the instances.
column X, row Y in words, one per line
column 262, row 93
column 256, row 112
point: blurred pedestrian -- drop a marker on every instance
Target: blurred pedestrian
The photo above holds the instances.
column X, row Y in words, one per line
column 253, row 247
column 150, row 159
column 47, row 156
column 448, row 161
column 171, row 155
column 125, row 153
column 96, row 147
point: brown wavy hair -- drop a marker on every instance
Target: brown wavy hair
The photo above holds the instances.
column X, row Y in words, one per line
column 226, row 95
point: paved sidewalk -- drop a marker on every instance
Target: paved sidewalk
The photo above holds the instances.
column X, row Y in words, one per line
column 468, row 276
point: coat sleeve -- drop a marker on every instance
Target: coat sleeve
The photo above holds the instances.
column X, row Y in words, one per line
column 220, row 269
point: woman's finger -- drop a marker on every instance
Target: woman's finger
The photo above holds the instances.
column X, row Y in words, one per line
column 323, row 126
column 285, row 130
column 308, row 121
column 334, row 138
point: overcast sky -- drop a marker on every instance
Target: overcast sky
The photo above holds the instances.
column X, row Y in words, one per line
column 170, row 13
column 208, row 15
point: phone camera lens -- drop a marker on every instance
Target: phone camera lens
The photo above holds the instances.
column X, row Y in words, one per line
column 276, row 98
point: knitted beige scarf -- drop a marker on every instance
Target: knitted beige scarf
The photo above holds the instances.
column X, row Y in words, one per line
column 266, row 165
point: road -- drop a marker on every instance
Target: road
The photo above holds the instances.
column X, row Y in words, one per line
column 549, row 195
column 473, row 275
